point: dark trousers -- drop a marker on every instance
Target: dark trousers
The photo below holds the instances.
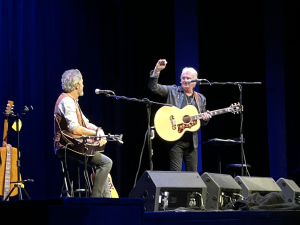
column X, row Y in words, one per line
column 100, row 162
column 183, row 150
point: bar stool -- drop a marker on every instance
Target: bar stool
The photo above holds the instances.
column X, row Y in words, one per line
column 233, row 168
column 68, row 183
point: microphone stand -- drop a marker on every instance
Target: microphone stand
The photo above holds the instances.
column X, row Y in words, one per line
column 240, row 86
column 19, row 184
column 148, row 106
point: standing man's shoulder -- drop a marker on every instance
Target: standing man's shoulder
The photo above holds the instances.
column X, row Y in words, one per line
column 201, row 96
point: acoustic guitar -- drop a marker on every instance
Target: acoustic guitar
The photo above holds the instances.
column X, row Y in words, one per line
column 78, row 146
column 113, row 191
column 171, row 122
column 92, row 145
column 8, row 160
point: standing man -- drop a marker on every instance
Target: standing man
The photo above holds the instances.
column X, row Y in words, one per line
column 68, row 116
column 180, row 96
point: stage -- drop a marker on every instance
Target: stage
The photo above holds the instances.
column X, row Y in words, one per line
column 129, row 211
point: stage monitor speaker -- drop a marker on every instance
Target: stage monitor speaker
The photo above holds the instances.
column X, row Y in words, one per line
column 169, row 190
column 290, row 190
column 221, row 189
column 262, row 185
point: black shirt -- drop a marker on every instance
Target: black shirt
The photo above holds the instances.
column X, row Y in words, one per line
column 188, row 100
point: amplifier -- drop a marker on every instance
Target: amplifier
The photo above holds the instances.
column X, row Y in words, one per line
column 221, row 189
column 262, row 185
column 290, row 190
column 169, row 190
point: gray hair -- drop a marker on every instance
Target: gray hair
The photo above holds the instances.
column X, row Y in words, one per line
column 191, row 70
column 70, row 79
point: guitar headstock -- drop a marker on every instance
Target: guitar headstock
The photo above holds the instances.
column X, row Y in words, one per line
column 9, row 108
column 236, row 108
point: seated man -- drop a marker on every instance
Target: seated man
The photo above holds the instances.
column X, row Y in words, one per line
column 73, row 120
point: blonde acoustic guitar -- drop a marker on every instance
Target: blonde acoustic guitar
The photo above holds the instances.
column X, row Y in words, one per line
column 171, row 122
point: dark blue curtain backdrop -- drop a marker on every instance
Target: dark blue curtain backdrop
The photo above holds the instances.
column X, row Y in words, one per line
column 115, row 44
column 186, row 22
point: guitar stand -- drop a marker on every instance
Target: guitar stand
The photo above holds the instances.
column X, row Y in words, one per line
column 20, row 186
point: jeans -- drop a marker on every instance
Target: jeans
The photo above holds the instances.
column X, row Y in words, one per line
column 101, row 163
column 183, row 150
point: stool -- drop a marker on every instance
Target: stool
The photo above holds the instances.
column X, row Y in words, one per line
column 68, row 184
column 234, row 167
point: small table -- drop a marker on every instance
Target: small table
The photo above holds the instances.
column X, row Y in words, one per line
column 222, row 142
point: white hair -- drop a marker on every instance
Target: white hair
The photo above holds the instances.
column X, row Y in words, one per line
column 70, row 79
column 191, row 70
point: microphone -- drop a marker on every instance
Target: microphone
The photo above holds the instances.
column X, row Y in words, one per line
column 98, row 91
column 197, row 80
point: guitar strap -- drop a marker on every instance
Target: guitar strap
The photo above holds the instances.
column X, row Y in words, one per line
column 181, row 99
column 197, row 101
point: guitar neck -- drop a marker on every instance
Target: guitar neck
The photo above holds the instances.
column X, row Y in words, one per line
column 213, row 113
column 8, row 111
column 4, row 140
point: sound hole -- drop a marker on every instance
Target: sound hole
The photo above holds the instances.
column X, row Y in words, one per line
column 186, row 119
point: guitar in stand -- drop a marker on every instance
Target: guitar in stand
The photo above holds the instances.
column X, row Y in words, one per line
column 171, row 122
column 18, row 183
column 91, row 140
column 8, row 160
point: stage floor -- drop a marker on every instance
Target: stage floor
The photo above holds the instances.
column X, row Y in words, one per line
column 129, row 211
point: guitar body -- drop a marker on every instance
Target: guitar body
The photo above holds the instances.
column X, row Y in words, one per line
column 78, row 146
column 171, row 122
column 113, row 191
column 5, row 189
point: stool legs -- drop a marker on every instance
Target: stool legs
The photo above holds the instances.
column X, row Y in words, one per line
column 66, row 181
column 67, row 187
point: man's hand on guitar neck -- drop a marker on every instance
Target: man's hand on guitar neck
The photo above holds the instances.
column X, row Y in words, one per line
column 100, row 132
column 206, row 116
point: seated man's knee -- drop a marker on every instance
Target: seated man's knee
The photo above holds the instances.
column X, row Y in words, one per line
column 109, row 163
